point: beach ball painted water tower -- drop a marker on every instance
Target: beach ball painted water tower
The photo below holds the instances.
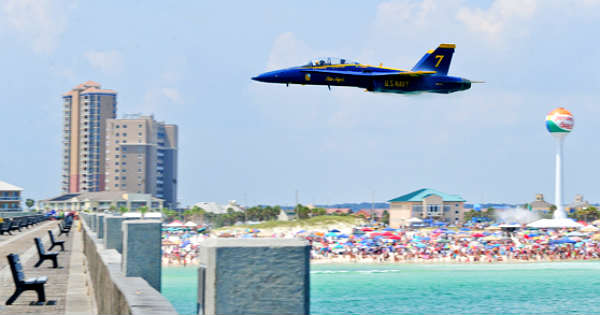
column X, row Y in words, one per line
column 559, row 123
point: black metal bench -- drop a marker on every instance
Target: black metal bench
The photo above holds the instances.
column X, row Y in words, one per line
column 21, row 285
column 14, row 225
column 64, row 229
column 45, row 256
column 5, row 228
column 55, row 242
column 22, row 222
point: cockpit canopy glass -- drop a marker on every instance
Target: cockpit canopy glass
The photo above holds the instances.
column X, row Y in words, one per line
column 328, row 61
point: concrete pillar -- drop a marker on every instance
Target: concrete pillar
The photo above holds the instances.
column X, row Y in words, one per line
column 254, row 276
column 100, row 226
column 142, row 250
column 113, row 232
column 93, row 225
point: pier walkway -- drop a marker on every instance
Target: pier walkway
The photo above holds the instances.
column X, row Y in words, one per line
column 67, row 290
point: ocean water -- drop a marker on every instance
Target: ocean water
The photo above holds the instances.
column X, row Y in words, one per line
column 537, row 288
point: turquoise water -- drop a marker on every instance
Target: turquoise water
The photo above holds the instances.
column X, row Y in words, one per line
column 541, row 288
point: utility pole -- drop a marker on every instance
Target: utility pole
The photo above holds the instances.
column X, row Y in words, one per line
column 372, row 200
column 296, row 198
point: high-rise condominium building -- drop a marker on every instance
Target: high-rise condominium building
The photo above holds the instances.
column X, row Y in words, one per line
column 141, row 157
column 86, row 109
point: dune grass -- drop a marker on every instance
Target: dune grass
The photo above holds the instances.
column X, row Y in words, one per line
column 304, row 223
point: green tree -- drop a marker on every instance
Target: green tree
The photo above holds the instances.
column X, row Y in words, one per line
column 29, row 203
column 143, row 210
column 123, row 209
column 386, row 217
column 590, row 213
column 112, row 208
column 187, row 214
column 302, row 212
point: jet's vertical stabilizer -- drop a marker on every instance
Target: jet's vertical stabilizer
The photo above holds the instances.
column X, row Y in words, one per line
column 437, row 60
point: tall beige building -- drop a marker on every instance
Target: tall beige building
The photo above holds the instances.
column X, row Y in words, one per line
column 86, row 108
column 141, row 157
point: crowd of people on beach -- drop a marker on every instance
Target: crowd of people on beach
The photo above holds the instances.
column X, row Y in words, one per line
column 478, row 244
column 460, row 246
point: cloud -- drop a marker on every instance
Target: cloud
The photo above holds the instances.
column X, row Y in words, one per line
column 172, row 94
column 286, row 52
column 108, row 62
column 498, row 18
column 40, row 22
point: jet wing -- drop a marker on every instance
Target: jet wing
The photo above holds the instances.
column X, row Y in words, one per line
column 370, row 74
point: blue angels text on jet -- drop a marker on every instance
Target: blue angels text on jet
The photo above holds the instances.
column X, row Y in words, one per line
column 430, row 74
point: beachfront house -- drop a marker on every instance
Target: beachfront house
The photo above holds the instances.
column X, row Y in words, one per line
column 426, row 203
column 10, row 197
column 540, row 205
column 577, row 204
column 99, row 201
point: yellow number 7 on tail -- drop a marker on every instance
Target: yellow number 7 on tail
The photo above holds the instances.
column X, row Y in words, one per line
column 439, row 58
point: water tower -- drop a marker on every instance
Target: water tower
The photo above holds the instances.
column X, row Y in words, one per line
column 559, row 123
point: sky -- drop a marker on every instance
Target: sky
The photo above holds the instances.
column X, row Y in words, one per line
column 190, row 62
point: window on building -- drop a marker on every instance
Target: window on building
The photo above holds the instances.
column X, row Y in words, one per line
column 123, row 177
column 433, row 210
column 140, row 126
column 116, row 185
column 139, row 134
column 117, row 134
column 124, row 126
column 117, row 126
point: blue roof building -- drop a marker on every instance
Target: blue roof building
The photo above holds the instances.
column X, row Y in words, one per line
column 426, row 203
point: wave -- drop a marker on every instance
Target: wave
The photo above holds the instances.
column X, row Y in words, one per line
column 533, row 266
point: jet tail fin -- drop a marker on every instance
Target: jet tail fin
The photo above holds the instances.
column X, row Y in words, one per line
column 437, row 60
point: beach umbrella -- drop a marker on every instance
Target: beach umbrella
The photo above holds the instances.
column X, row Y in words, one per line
column 589, row 228
column 450, row 232
column 576, row 233
column 175, row 223
column 331, row 234
column 334, row 231
column 465, row 229
column 389, row 229
column 493, row 228
column 420, row 245
column 342, row 236
column 443, row 240
column 367, row 229
column 395, row 237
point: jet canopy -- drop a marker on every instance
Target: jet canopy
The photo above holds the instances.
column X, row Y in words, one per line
column 328, row 61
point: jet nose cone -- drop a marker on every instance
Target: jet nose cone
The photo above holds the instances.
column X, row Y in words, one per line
column 270, row 77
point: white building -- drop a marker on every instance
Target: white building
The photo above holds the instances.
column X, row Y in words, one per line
column 102, row 200
column 10, row 197
column 216, row 208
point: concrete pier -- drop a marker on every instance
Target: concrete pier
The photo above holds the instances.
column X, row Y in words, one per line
column 254, row 276
column 113, row 232
column 142, row 251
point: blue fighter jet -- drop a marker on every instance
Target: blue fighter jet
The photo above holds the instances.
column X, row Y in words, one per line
column 430, row 74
